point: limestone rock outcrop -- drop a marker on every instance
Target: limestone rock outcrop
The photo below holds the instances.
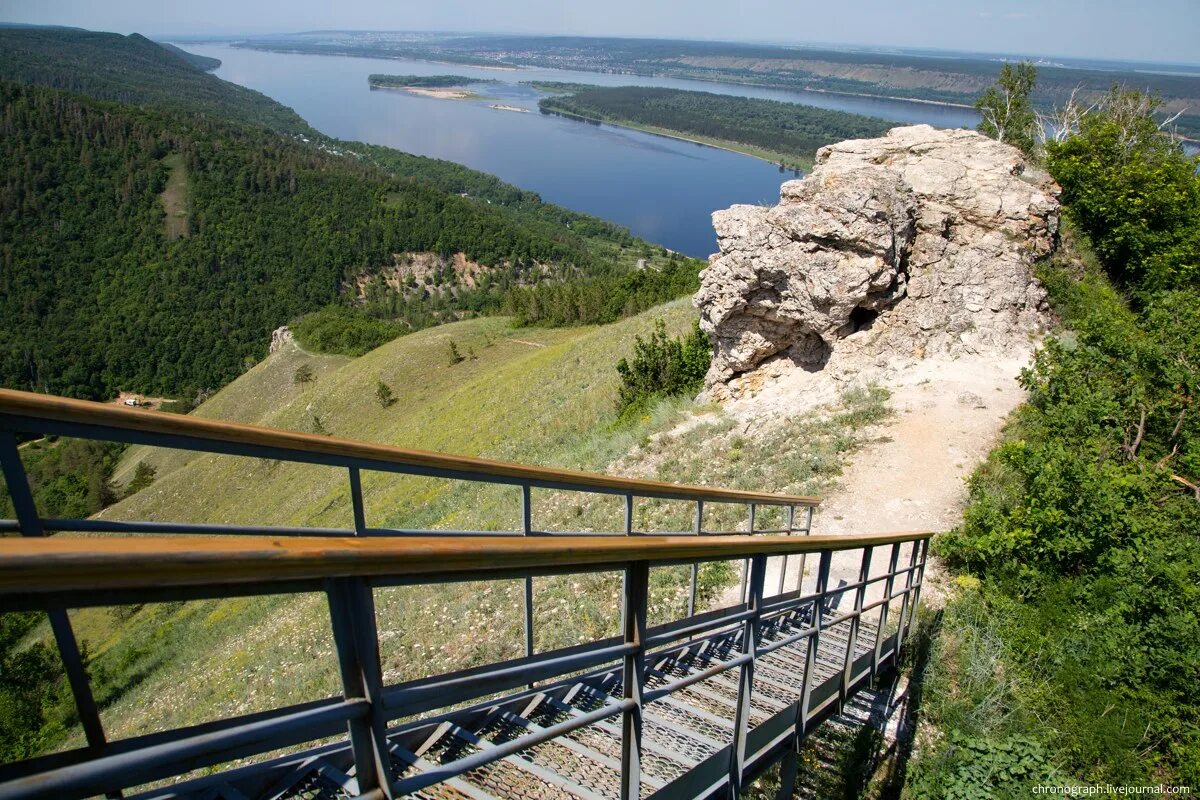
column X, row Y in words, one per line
column 921, row 241
column 281, row 337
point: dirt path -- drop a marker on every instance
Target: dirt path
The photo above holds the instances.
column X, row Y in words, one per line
column 948, row 415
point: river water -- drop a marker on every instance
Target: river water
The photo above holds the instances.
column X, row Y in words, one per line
column 662, row 189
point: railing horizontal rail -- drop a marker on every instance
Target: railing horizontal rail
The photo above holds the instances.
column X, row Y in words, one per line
column 192, row 752
column 32, row 565
column 449, row 725
column 38, row 413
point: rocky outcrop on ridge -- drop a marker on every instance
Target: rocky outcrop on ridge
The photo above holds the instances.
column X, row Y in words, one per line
column 918, row 243
column 281, row 337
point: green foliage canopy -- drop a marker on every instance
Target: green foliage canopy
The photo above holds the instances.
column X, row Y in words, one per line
column 1007, row 107
column 662, row 366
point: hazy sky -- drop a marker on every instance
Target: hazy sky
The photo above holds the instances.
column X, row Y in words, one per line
column 1157, row 30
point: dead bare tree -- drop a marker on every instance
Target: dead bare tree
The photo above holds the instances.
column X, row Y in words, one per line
column 1062, row 122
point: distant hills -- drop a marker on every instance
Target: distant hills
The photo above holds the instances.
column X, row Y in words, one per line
column 200, row 62
column 942, row 78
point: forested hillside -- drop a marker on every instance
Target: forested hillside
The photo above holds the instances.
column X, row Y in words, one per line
column 776, row 130
column 155, row 246
column 134, row 70
column 94, row 295
column 199, row 62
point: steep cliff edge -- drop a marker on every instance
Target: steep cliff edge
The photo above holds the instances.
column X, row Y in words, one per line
column 916, row 244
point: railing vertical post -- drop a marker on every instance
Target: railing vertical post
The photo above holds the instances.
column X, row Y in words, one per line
column 791, row 526
column 789, row 766
column 60, row 623
column 633, row 675
column 920, row 580
column 808, row 518
column 527, row 529
column 860, row 593
column 750, row 635
column 814, row 642
column 356, row 502
column 352, row 616
column 742, row 592
column 888, row 588
column 905, row 604
column 628, row 514
column 699, row 529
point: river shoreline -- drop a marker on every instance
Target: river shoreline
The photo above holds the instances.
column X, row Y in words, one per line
column 796, row 163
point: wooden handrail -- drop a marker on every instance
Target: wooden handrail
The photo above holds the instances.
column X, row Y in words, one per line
column 24, row 410
column 33, row 565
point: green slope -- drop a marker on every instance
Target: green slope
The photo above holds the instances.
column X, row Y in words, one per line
column 542, row 396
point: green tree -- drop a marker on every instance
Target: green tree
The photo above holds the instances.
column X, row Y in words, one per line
column 303, row 374
column 455, row 356
column 143, row 476
column 662, row 366
column 1128, row 184
column 1007, row 110
column 383, row 393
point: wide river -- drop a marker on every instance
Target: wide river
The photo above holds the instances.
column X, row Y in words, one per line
column 662, row 189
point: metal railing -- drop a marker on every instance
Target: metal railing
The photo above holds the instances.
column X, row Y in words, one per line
column 546, row 700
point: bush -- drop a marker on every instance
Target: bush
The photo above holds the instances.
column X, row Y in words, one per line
column 1133, row 190
column 343, row 331
column 1087, row 535
column 662, row 367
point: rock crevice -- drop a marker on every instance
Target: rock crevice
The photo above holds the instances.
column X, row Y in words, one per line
column 919, row 242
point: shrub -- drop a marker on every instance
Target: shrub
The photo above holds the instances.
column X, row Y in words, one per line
column 343, row 331
column 1132, row 189
column 384, row 395
column 662, row 366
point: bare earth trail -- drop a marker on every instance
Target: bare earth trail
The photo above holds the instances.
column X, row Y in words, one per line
column 912, row 474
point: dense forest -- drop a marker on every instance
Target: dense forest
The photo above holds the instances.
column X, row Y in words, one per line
column 276, row 227
column 205, row 63
column 1071, row 650
column 134, row 70
column 780, row 128
column 423, row 81
column 600, row 299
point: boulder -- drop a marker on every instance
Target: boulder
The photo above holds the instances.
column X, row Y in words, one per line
column 921, row 242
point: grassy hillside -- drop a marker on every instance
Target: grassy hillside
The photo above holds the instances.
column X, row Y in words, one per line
column 542, row 396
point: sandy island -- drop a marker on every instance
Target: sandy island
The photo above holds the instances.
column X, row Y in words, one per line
column 441, row 94
column 501, row 107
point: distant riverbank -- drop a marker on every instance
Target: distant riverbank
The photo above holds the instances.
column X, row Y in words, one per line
column 785, row 160
column 786, row 134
